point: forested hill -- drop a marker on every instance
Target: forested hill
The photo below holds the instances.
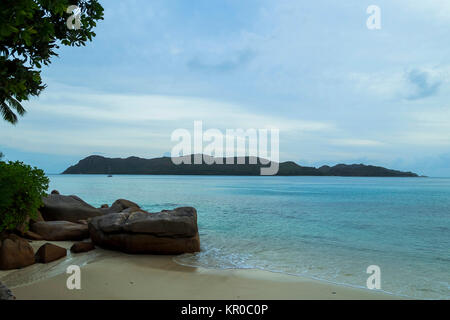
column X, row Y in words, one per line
column 165, row 166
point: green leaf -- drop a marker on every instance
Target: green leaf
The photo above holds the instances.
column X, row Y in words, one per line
column 30, row 32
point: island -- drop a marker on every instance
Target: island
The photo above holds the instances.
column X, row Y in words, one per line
column 165, row 166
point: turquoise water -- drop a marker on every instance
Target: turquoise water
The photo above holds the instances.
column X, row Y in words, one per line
column 329, row 228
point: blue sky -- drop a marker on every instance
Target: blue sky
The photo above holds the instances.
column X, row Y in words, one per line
column 337, row 91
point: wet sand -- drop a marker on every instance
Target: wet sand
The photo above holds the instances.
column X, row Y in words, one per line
column 114, row 275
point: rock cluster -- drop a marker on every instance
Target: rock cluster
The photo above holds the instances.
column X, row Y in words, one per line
column 123, row 226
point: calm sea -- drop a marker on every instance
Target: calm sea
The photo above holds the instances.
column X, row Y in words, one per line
column 329, row 228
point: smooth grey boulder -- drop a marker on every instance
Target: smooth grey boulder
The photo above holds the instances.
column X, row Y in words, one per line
column 67, row 208
column 60, row 230
column 166, row 232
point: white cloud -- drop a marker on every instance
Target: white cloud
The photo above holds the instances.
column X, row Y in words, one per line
column 428, row 128
column 83, row 122
column 141, row 109
column 412, row 84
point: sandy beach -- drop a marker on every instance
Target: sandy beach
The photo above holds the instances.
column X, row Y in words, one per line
column 114, row 275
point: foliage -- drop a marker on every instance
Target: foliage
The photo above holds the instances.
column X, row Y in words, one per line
column 30, row 33
column 21, row 190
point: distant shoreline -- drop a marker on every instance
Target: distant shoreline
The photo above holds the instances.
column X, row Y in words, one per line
column 210, row 166
column 227, row 175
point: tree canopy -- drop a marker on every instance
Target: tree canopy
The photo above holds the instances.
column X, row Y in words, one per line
column 21, row 188
column 30, row 33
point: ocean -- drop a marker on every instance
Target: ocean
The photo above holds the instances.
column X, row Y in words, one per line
column 327, row 228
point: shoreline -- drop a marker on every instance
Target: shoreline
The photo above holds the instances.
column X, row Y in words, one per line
column 114, row 275
column 308, row 278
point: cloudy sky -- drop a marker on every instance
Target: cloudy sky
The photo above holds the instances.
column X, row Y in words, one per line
column 337, row 91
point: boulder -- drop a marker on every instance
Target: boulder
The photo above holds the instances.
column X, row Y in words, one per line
column 15, row 252
column 54, row 192
column 32, row 236
column 5, row 293
column 82, row 222
column 60, row 230
column 165, row 232
column 67, row 208
column 82, row 247
column 50, row 252
column 119, row 206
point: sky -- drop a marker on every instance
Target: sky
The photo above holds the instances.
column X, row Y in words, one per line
column 337, row 91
